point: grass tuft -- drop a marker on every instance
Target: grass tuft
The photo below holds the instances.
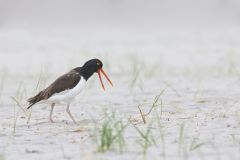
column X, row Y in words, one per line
column 111, row 135
column 195, row 145
column 2, row 81
column 2, row 156
column 18, row 100
column 41, row 82
column 146, row 138
column 181, row 140
column 137, row 68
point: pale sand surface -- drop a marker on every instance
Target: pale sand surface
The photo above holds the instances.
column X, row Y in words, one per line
column 200, row 71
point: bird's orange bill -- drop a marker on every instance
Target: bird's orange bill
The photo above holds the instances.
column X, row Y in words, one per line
column 100, row 77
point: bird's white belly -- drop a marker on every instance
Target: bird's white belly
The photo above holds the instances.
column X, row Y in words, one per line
column 68, row 95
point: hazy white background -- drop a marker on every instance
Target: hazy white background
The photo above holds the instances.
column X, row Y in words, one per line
column 118, row 14
column 174, row 31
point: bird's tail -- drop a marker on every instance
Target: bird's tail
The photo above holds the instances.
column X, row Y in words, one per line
column 35, row 99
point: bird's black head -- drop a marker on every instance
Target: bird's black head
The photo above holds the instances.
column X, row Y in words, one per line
column 91, row 67
column 94, row 66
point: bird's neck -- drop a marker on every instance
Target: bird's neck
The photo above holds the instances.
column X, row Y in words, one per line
column 85, row 72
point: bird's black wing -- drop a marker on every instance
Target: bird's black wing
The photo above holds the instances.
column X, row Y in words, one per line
column 65, row 82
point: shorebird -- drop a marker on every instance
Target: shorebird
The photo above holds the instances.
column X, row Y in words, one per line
column 65, row 88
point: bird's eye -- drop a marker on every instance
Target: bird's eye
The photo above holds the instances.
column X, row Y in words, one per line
column 98, row 63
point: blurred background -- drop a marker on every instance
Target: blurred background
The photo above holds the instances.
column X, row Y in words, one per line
column 173, row 32
column 119, row 14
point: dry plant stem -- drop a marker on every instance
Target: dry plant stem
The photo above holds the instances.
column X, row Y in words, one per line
column 29, row 116
column 150, row 110
column 153, row 106
column 142, row 115
column 15, row 118
column 18, row 104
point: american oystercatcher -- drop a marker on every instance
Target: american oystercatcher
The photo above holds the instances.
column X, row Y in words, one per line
column 68, row 86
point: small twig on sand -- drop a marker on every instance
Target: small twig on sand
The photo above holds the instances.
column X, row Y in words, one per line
column 145, row 115
column 142, row 115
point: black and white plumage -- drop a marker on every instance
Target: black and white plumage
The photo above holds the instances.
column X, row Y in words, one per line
column 65, row 88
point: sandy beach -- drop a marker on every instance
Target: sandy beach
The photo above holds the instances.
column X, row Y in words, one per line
column 189, row 79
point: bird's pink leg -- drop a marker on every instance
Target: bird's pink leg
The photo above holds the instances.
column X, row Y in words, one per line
column 69, row 113
column 51, row 112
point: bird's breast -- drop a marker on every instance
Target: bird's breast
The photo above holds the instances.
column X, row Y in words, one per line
column 70, row 94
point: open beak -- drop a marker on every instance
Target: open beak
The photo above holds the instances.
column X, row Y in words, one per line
column 100, row 77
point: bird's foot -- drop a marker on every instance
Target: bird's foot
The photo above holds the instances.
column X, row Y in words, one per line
column 51, row 120
column 74, row 122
